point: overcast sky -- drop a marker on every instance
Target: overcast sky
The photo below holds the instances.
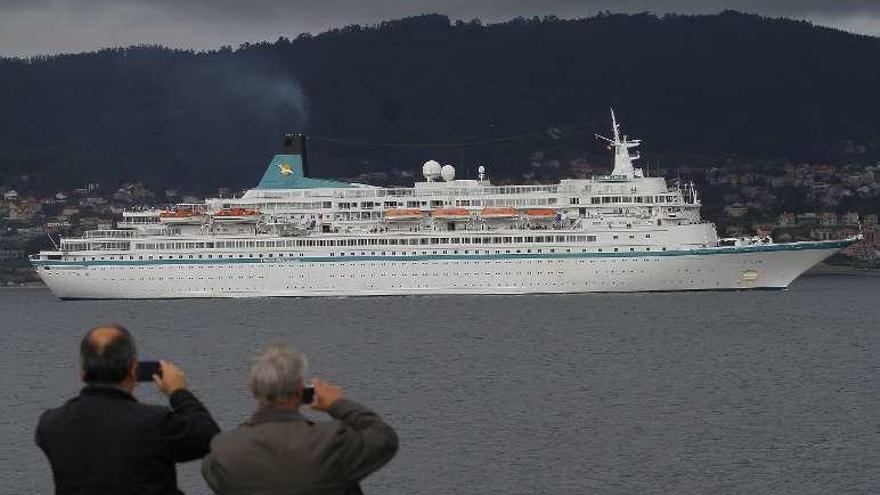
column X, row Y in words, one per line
column 31, row 27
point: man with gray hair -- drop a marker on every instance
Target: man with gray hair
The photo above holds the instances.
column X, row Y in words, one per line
column 278, row 450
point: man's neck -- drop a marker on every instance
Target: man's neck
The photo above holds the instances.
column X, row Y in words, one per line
column 288, row 405
column 125, row 386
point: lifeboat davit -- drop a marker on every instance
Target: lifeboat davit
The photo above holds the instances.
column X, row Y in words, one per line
column 402, row 215
column 178, row 217
column 498, row 213
column 237, row 215
column 452, row 214
column 541, row 214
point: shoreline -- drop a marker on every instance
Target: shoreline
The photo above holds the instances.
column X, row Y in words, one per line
column 824, row 270
column 25, row 285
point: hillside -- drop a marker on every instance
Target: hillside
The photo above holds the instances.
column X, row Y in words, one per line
column 698, row 88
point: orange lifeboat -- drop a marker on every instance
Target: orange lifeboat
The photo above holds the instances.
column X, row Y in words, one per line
column 178, row 214
column 541, row 214
column 498, row 213
column 236, row 212
column 452, row 214
column 237, row 215
column 402, row 215
column 181, row 216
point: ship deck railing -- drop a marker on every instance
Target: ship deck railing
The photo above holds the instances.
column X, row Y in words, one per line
column 126, row 234
column 112, row 234
column 109, row 236
column 611, row 178
column 443, row 189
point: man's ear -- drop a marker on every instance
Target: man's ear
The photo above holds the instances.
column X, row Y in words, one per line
column 82, row 371
column 132, row 370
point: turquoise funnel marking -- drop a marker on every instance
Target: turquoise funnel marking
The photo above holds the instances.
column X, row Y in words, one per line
column 286, row 172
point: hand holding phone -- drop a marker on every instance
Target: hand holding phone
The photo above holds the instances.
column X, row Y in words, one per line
column 170, row 378
column 325, row 395
column 308, row 395
column 146, row 370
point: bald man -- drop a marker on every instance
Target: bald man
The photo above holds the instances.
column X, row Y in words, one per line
column 106, row 442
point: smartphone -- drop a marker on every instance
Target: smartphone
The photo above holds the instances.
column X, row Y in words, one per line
column 146, row 370
column 308, row 395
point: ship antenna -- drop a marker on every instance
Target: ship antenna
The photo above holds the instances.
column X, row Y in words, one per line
column 615, row 127
column 615, row 132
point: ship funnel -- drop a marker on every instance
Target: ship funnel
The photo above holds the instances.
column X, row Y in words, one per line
column 289, row 169
column 295, row 144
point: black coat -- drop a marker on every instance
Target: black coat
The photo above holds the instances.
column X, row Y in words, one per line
column 106, row 442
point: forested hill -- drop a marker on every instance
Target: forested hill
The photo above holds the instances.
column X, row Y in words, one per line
column 698, row 88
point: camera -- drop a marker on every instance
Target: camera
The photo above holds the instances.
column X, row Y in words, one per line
column 308, row 395
column 146, row 370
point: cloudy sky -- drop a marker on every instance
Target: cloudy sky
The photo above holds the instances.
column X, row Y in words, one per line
column 31, row 27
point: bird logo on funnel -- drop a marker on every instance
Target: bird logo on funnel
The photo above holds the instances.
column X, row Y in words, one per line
column 285, row 169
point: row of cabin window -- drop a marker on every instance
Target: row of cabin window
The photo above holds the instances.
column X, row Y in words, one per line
column 368, row 205
column 423, row 241
column 314, row 205
column 632, row 199
column 96, row 246
column 439, row 203
column 416, row 241
column 360, row 253
column 453, row 192
column 405, row 192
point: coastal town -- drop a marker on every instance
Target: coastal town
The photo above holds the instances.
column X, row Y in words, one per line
column 790, row 202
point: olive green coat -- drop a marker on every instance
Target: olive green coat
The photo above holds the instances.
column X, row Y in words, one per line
column 279, row 451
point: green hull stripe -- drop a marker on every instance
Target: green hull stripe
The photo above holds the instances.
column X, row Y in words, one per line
column 800, row 246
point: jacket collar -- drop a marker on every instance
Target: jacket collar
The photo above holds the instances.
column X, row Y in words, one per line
column 275, row 414
column 106, row 391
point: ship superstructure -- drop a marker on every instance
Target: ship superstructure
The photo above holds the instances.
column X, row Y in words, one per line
column 294, row 235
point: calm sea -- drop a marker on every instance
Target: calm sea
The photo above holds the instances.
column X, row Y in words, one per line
column 718, row 392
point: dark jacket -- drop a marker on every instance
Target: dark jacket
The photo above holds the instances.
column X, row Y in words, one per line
column 281, row 452
column 106, row 442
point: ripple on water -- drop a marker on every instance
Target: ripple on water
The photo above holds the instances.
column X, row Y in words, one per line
column 639, row 393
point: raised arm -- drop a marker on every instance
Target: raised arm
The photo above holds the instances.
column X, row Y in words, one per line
column 186, row 431
column 362, row 442
column 365, row 443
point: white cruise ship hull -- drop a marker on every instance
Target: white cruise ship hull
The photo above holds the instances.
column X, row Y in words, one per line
column 302, row 274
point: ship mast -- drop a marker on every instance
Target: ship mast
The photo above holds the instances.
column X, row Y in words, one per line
column 623, row 166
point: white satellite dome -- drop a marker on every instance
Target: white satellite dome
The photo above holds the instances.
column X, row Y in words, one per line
column 431, row 169
column 448, row 173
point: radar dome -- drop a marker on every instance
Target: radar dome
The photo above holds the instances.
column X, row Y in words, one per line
column 431, row 169
column 448, row 173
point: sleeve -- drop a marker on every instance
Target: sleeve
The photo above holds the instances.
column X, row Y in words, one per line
column 363, row 442
column 213, row 474
column 186, row 431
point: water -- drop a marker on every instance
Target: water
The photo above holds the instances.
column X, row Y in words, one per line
column 724, row 392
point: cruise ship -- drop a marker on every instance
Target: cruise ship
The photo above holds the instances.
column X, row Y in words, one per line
column 295, row 235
